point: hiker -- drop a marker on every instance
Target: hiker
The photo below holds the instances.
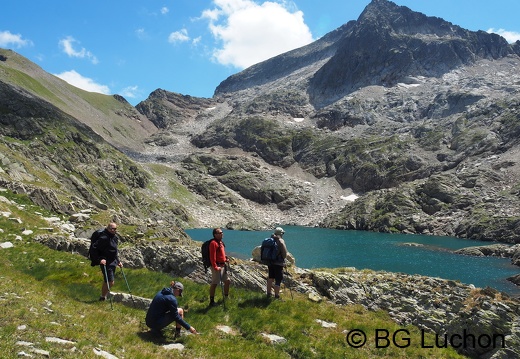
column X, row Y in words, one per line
column 219, row 266
column 164, row 310
column 105, row 251
column 275, row 267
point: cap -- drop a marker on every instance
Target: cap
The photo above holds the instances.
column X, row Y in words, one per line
column 178, row 285
column 279, row 230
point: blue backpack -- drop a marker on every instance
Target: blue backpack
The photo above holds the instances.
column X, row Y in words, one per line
column 269, row 251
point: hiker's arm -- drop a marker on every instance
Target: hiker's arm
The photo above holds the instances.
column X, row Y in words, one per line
column 283, row 248
column 99, row 248
column 177, row 316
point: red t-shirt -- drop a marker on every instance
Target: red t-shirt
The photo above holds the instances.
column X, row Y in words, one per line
column 217, row 254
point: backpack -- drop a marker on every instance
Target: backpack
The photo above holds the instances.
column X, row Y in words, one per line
column 92, row 255
column 269, row 251
column 206, row 262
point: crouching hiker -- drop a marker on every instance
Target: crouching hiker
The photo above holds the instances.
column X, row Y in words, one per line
column 164, row 310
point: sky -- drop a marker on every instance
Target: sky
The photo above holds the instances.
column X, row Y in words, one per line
column 132, row 48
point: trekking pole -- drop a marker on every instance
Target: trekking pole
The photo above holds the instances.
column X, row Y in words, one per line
column 108, row 286
column 222, row 287
column 129, row 291
column 290, row 290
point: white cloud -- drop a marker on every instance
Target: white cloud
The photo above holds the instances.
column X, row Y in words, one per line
column 141, row 33
column 251, row 32
column 84, row 83
column 164, row 10
column 510, row 36
column 130, row 92
column 67, row 46
column 178, row 36
column 7, row 39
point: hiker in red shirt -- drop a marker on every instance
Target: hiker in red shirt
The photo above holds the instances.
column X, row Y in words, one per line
column 219, row 266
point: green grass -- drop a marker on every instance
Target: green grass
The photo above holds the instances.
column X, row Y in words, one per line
column 54, row 294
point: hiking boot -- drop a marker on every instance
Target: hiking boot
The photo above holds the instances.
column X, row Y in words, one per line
column 102, row 299
column 213, row 304
column 177, row 334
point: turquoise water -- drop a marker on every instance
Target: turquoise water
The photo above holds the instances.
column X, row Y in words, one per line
column 329, row 248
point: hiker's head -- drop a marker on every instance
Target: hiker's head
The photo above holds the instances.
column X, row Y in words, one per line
column 177, row 286
column 279, row 231
column 112, row 227
column 217, row 233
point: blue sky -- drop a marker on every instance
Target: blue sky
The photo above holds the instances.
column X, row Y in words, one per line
column 134, row 47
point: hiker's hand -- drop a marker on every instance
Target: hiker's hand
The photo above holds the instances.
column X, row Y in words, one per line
column 193, row 330
column 120, row 264
column 103, row 262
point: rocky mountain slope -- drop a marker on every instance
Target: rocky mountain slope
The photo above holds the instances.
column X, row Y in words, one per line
column 416, row 116
column 394, row 122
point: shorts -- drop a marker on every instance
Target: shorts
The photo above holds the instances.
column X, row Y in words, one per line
column 110, row 273
column 216, row 275
column 276, row 273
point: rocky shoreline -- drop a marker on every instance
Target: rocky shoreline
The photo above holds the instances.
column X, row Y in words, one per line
column 496, row 250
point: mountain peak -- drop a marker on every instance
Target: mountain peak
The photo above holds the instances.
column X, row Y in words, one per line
column 386, row 44
column 390, row 42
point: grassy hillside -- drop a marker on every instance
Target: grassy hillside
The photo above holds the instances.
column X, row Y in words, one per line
column 55, row 294
column 109, row 116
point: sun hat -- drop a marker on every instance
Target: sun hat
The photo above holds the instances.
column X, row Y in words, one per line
column 178, row 285
column 278, row 231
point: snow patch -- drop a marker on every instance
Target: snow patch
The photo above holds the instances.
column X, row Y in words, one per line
column 350, row 198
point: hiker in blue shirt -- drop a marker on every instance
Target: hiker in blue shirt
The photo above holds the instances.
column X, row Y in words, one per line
column 275, row 268
column 164, row 310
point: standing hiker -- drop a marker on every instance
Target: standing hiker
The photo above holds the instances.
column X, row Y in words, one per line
column 105, row 252
column 275, row 267
column 219, row 260
column 164, row 310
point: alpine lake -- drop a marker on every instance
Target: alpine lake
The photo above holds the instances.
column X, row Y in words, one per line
column 431, row 256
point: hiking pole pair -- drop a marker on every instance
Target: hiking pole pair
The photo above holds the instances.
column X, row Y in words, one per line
column 108, row 286
column 129, row 291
